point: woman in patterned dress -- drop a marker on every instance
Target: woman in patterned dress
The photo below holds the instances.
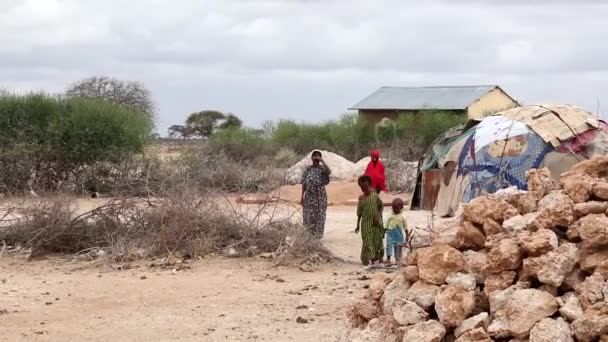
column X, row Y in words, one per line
column 369, row 221
column 314, row 196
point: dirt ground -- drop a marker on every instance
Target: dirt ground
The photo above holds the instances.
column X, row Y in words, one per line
column 215, row 299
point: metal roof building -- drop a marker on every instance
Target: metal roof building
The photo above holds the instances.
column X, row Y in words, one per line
column 472, row 99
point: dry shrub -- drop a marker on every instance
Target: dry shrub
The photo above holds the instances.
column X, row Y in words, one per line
column 180, row 224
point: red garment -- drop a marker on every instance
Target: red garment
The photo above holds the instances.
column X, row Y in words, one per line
column 376, row 172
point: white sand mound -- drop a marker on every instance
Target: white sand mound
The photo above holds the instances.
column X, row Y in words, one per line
column 341, row 168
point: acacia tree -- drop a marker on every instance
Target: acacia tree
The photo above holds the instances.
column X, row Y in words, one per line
column 204, row 123
column 133, row 95
column 180, row 131
column 231, row 121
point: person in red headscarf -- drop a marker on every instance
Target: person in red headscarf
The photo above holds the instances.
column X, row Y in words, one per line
column 375, row 170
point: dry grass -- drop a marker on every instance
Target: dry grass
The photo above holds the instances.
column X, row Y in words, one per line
column 180, row 225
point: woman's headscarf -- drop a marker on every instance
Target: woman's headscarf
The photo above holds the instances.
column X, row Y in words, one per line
column 375, row 153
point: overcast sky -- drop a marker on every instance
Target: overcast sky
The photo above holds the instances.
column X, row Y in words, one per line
column 307, row 60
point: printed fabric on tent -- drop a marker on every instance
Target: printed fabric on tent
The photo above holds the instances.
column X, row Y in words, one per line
column 500, row 163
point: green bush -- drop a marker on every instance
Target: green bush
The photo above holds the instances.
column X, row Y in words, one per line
column 47, row 140
column 241, row 144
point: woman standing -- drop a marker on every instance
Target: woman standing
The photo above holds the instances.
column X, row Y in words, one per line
column 314, row 196
column 369, row 221
column 375, row 170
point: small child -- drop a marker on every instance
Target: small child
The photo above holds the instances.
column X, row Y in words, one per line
column 395, row 231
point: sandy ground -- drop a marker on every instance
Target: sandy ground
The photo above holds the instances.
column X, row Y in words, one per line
column 211, row 300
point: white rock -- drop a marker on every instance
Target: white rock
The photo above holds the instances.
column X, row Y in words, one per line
column 551, row 330
column 480, row 321
column 429, row 331
column 409, row 313
column 464, row 280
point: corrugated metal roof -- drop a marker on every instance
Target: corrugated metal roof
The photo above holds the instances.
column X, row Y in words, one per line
column 416, row 98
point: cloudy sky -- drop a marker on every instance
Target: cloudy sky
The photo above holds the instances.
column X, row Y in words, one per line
column 307, row 60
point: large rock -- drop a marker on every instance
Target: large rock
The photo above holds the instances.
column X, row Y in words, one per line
column 590, row 261
column 409, row 313
column 499, row 281
column 538, row 242
column 362, row 312
column 464, row 280
column 475, row 263
column 593, row 231
column 422, row 294
column 593, row 207
column 429, row 331
column 453, row 305
column 518, row 223
column 505, row 256
column 579, row 190
column 540, row 182
column 600, row 190
column 510, row 195
column 395, row 290
column 528, row 203
column 381, row 329
column 551, row 330
column 479, row 321
column 482, row 208
column 524, row 309
column 473, row 237
column 593, row 324
column 590, row 291
column 411, row 273
column 553, row 267
column 571, row 308
column 491, row 227
column 435, row 263
column 377, row 285
column 475, row 335
column 555, row 210
column 449, row 232
column 573, row 278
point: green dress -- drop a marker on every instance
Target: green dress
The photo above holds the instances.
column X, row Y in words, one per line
column 372, row 230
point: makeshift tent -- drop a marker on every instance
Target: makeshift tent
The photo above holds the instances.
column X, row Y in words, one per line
column 497, row 151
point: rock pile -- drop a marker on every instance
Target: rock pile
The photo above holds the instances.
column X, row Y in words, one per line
column 400, row 174
column 515, row 266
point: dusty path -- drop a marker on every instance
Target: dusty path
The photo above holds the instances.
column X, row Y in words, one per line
column 214, row 300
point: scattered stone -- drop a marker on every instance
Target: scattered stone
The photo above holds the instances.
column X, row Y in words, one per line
column 524, row 308
column 491, row 227
column 571, row 308
column 551, row 330
column 482, row 208
column 600, row 190
column 579, row 190
column 301, row 320
column 381, row 329
column 475, row 335
column 362, row 312
column 553, row 267
column 527, row 203
column 453, row 305
column 377, row 285
column 409, row 313
column 429, row 331
column 593, row 324
column 555, row 210
column 475, row 263
column 411, row 273
column 423, row 294
column 590, row 260
column 464, row 280
column 143, row 277
column 479, row 321
column 451, row 233
column 505, row 256
column 593, row 231
column 499, row 281
column 519, row 223
column 540, row 182
column 590, row 291
column 538, row 242
column 395, row 290
column 435, row 263
column 473, row 237
column 594, row 207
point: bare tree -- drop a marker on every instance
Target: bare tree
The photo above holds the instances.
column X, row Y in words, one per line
column 126, row 93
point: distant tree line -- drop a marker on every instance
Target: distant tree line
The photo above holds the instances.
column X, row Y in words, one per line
column 204, row 124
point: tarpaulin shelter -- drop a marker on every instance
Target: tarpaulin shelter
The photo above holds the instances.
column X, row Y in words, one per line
column 497, row 151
